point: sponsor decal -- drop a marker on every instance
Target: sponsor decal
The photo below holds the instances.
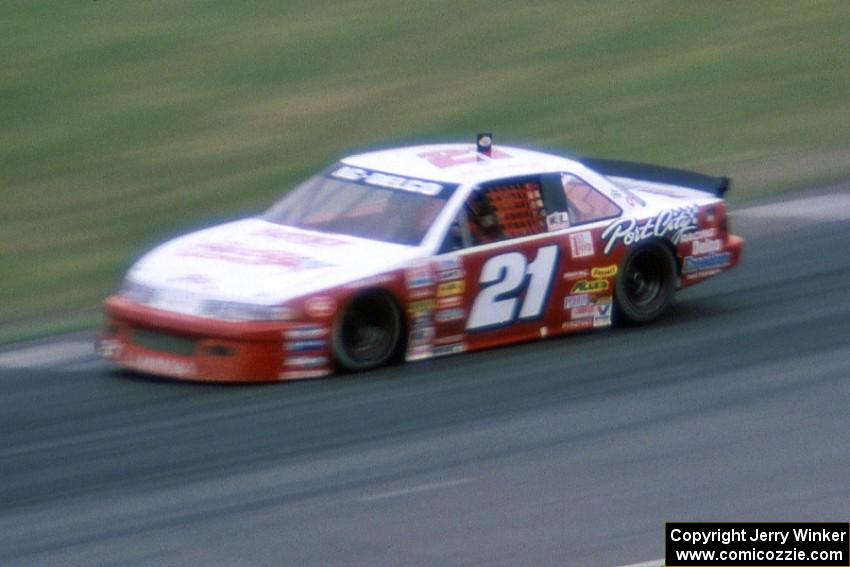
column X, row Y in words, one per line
column 599, row 311
column 379, row 179
column 672, row 224
column 419, row 277
column 451, row 301
column 602, row 315
column 451, row 288
column 606, row 272
column 288, row 235
column 156, row 365
column 448, row 339
column 420, row 282
column 583, row 312
column 305, row 332
column 420, row 293
column 448, row 315
column 700, row 247
column 237, row 253
column 572, row 301
column 577, row 325
column 320, row 306
column 422, row 335
column 699, row 235
column 449, row 263
column 576, row 275
column 557, row 221
column 448, row 275
column 702, row 275
column 421, row 307
column 453, row 157
column 307, row 361
column 581, row 244
column 453, row 348
column 307, row 345
column 589, row 286
column 702, row 263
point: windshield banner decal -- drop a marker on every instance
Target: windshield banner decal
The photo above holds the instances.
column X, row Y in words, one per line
column 386, row 180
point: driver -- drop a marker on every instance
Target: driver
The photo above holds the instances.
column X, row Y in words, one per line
column 483, row 222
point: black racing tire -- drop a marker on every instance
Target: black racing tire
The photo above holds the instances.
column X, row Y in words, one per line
column 367, row 333
column 645, row 284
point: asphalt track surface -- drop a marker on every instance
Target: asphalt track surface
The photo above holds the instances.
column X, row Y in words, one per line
column 571, row 451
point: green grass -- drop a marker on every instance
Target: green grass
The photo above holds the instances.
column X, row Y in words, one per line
column 123, row 123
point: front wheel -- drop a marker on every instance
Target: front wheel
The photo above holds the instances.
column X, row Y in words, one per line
column 645, row 284
column 367, row 333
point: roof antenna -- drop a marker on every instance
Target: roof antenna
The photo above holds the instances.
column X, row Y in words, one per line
column 484, row 143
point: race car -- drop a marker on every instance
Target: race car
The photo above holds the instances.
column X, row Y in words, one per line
column 417, row 252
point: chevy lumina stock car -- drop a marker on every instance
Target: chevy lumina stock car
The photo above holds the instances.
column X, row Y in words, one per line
column 418, row 252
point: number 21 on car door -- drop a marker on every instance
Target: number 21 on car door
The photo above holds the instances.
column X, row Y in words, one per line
column 512, row 286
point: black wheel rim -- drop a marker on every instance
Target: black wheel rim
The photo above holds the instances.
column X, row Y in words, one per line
column 368, row 332
column 644, row 279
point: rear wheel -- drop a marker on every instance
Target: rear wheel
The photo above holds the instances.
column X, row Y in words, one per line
column 368, row 333
column 645, row 284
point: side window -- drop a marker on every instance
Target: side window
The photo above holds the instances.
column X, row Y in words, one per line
column 498, row 211
column 584, row 203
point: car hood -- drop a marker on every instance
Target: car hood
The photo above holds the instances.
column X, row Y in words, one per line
column 255, row 261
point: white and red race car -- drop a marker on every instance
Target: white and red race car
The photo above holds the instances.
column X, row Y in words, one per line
column 417, row 252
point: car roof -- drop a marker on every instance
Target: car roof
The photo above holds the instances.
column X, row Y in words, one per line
column 459, row 163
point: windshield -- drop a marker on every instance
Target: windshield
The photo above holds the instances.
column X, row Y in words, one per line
column 363, row 203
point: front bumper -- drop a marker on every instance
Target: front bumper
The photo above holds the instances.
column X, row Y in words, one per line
column 186, row 347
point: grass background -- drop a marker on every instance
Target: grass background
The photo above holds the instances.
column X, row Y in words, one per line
column 124, row 123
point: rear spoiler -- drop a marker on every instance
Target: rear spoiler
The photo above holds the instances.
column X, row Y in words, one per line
column 658, row 174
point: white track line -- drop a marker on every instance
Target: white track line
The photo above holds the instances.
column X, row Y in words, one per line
column 43, row 356
column 835, row 207
column 414, row 489
column 653, row 563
